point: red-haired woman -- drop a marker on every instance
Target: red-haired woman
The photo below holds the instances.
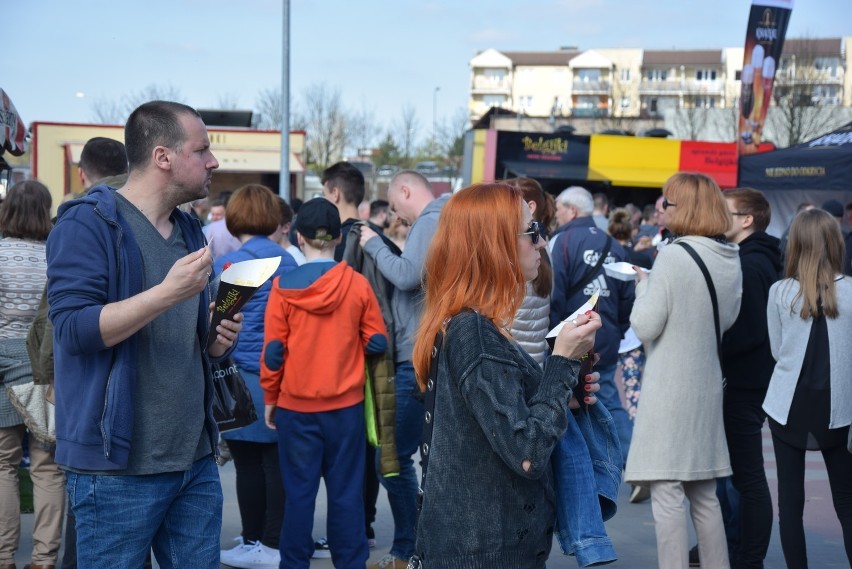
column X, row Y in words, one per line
column 488, row 488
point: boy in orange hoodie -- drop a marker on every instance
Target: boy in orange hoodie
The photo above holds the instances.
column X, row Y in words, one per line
column 320, row 321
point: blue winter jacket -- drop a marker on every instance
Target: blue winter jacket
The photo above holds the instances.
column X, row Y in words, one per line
column 93, row 260
column 576, row 248
column 246, row 354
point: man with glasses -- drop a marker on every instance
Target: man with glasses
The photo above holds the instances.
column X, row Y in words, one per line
column 579, row 249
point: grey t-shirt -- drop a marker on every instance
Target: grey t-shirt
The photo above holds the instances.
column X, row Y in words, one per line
column 169, row 431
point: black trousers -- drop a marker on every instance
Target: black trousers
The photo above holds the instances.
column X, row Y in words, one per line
column 260, row 492
column 371, row 489
column 791, row 497
column 744, row 418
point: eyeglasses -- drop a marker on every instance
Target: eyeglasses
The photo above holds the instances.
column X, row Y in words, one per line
column 667, row 204
column 739, row 213
column 535, row 231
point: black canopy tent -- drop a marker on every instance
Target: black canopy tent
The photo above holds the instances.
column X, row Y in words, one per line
column 815, row 171
column 557, row 159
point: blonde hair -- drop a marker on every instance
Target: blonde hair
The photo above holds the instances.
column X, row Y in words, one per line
column 699, row 208
column 815, row 253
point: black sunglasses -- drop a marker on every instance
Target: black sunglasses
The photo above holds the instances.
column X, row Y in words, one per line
column 667, row 204
column 535, row 231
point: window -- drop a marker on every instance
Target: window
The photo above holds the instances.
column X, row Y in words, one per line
column 494, row 100
column 657, row 75
column 588, row 75
column 625, row 75
column 652, row 105
column 705, row 102
column 705, row 75
column 826, row 64
column 587, row 102
column 525, row 101
column 495, row 75
column 625, row 102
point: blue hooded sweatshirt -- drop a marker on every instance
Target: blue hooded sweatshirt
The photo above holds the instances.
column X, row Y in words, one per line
column 94, row 260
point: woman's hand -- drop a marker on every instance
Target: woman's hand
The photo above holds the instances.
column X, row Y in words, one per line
column 641, row 274
column 577, row 336
column 590, row 386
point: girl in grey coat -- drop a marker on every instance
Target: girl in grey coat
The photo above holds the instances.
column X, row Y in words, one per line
column 809, row 400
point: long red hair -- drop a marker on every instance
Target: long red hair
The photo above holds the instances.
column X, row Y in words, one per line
column 472, row 263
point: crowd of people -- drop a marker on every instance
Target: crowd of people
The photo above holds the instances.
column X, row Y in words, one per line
column 455, row 330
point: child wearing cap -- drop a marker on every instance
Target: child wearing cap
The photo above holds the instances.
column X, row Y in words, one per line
column 320, row 321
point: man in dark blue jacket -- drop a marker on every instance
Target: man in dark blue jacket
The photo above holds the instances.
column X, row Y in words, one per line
column 576, row 249
column 128, row 286
column 747, row 364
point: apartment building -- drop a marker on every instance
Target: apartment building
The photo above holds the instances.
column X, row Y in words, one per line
column 637, row 83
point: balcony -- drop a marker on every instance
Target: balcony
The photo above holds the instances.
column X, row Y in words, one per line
column 590, row 112
column 682, row 87
column 483, row 85
column 590, row 87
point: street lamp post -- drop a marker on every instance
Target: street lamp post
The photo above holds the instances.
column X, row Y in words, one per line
column 435, row 114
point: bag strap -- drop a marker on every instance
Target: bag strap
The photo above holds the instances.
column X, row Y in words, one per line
column 712, row 290
column 429, row 414
column 591, row 272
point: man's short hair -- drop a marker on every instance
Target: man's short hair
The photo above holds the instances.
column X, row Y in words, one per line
column 410, row 177
column 753, row 203
column 348, row 179
column 578, row 198
column 601, row 201
column 103, row 157
column 153, row 124
column 378, row 206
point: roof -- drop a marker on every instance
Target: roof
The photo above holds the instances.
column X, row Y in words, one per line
column 681, row 57
column 813, row 47
column 561, row 57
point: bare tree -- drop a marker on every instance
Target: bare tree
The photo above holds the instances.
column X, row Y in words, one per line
column 268, row 104
column 108, row 111
column 228, row 101
column 804, row 106
column 690, row 121
column 451, row 138
column 116, row 112
column 325, row 124
column 362, row 129
column 406, row 132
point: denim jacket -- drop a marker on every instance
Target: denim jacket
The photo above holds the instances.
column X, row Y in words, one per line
column 586, row 476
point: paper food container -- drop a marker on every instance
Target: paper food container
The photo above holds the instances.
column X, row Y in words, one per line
column 621, row 271
column 237, row 284
column 589, row 305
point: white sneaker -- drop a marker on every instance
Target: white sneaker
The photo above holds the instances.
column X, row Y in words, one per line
column 226, row 556
column 321, row 549
column 258, row 557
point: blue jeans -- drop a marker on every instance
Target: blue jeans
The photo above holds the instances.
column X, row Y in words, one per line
column 119, row 518
column 587, row 474
column 608, row 396
column 402, row 489
column 328, row 445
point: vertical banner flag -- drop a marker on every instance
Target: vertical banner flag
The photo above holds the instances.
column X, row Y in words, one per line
column 767, row 25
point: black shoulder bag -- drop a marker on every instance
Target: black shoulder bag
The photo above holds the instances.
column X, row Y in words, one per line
column 713, row 299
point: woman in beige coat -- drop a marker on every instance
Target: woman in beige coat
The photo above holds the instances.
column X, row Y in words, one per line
column 678, row 447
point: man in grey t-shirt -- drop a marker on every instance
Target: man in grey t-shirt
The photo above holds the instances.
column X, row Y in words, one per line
column 128, row 287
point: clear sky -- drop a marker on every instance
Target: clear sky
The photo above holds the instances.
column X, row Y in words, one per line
column 59, row 56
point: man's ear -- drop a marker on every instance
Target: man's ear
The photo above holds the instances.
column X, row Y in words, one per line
column 161, row 157
column 83, row 179
column 748, row 221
